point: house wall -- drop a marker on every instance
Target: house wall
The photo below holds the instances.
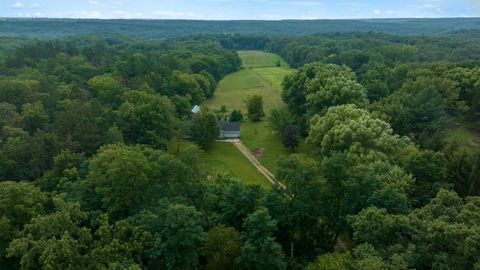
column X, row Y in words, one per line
column 230, row 134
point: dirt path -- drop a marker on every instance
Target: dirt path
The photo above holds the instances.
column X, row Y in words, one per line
column 244, row 150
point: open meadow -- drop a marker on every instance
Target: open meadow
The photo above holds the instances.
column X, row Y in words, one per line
column 259, row 59
column 259, row 75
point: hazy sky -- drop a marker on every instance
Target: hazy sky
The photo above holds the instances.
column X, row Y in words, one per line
column 239, row 9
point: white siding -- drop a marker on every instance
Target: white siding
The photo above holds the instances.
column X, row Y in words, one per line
column 230, row 134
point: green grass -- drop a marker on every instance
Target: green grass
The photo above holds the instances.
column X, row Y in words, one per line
column 259, row 76
column 227, row 159
column 234, row 89
column 255, row 59
column 465, row 135
column 273, row 76
column 223, row 158
column 257, row 135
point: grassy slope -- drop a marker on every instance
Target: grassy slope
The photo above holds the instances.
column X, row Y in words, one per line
column 261, row 76
column 266, row 81
column 256, row 59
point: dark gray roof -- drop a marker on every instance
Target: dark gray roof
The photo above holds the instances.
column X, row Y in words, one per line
column 229, row 126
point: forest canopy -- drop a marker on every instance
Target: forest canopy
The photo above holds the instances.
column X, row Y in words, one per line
column 89, row 180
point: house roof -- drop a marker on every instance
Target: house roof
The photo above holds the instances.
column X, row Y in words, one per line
column 229, row 126
column 196, row 109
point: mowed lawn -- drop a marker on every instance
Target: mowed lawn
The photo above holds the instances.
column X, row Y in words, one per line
column 235, row 89
column 258, row 135
column 260, row 76
column 260, row 59
column 224, row 158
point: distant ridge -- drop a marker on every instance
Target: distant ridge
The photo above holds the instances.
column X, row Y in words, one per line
column 158, row 29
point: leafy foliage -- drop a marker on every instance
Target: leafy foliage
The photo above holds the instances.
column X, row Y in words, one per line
column 86, row 181
column 254, row 104
column 204, row 129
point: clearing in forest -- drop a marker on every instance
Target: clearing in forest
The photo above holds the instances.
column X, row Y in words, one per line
column 261, row 77
column 465, row 134
column 223, row 158
column 259, row 136
column 257, row 59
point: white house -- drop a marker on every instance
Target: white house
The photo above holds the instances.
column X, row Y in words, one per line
column 229, row 130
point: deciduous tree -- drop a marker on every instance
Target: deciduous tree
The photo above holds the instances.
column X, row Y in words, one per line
column 254, row 104
column 222, row 248
column 260, row 250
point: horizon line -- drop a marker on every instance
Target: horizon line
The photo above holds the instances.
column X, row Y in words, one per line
column 230, row 20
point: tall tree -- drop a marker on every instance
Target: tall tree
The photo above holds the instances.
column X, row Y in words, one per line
column 107, row 89
column 280, row 119
column 57, row 240
column 441, row 235
column 290, row 137
column 19, row 203
column 303, row 205
column 236, row 116
column 260, row 250
column 222, row 248
column 254, row 104
column 204, row 129
column 462, row 166
column 34, row 116
column 317, row 86
column 181, row 235
column 146, row 118
column 347, row 126
column 123, row 180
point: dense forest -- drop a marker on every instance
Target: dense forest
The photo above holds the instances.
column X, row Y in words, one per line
column 88, row 181
column 158, row 29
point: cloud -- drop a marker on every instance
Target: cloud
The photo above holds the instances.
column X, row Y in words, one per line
column 18, row 5
column 31, row 15
column 82, row 14
column 268, row 16
column 241, row 9
column 171, row 14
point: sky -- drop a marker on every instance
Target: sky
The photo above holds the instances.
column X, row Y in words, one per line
column 239, row 9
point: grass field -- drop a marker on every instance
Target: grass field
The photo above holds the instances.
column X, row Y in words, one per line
column 223, row 158
column 255, row 59
column 234, row 89
column 465, row 135
column 258, row 135
column 260, row 75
